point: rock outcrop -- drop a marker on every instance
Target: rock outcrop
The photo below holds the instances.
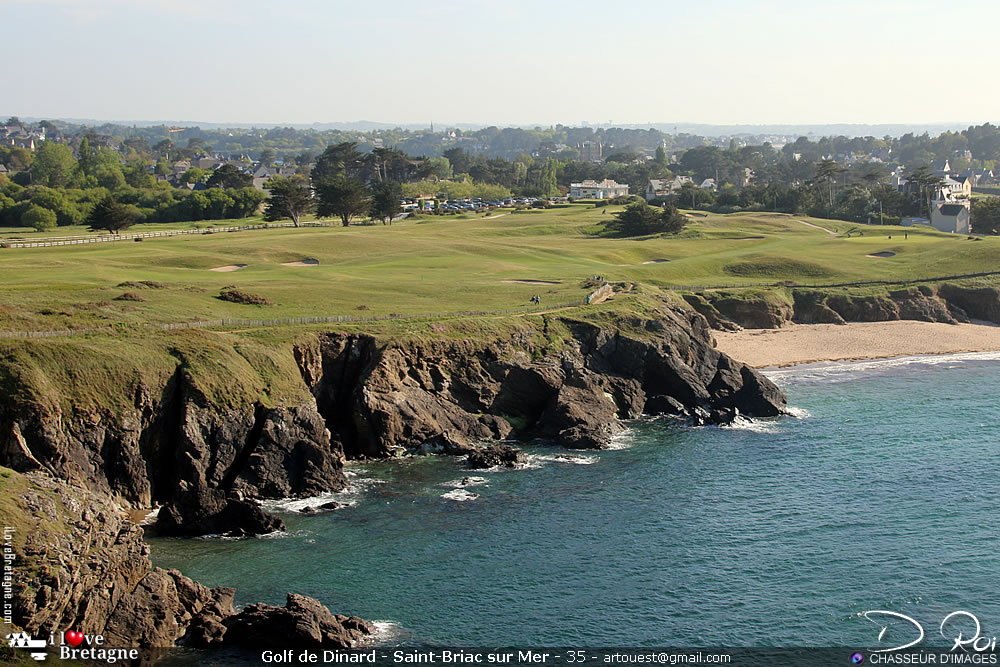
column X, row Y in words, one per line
column 303, row 623
column 382, row 398
column 947, row 303
column 81, row 564
column 494, row 456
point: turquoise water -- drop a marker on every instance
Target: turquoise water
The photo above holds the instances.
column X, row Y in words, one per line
column 881, row 494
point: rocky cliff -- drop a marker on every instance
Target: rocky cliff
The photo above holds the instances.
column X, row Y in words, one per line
column 206, row 431
column 449, row 394
column 81, row 565
column 206, row 461
column 928, row 303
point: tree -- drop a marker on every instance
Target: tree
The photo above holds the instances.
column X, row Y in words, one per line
column 289, row 198
column 54, row 165
column 986, row 215
column 459, row 159
column 111, row 216
column 926, row 182
column 41, row 219
column 661, row 156
column 245, row 202
column 267, row 157
column 163, row 148
column 639, row 219
column 337, row 160
column 195, row 175
column 343, row 197
column 827, row 171
column 17, row 159
column 386, row 198
column 229, row 176
column 439, row 166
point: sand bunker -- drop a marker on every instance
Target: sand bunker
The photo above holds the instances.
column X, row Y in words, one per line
column 656, row 261
column 533, row 282
column 229, row 267
column 884, row 253
column 308, row 261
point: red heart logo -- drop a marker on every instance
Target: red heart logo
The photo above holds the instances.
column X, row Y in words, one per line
column 74, row 638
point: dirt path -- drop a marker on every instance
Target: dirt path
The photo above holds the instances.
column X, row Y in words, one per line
column 809, row 224
column 604, row 297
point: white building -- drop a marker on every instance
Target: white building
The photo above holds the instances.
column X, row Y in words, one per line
column 659, row 188
column 591, row 189
column 953, row 217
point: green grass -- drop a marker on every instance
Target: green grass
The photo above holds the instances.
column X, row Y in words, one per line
column 447, row 264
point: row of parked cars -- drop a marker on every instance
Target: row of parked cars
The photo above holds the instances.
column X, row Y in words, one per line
column 472, row 204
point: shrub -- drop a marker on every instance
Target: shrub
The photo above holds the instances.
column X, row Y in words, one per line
column 42, row 219
column 236, row 296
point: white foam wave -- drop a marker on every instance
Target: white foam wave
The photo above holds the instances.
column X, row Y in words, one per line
column 460, row 495
column 388, row 633
column 281, row 534
column 798, row 413
column 745, row 424
column 465, row 482
column 624, row 440
column 568, row 458
column 273, row 535
column 833, row 371
column 350, row 497
column 150, row 518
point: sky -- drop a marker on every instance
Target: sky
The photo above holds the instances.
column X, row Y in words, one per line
column 515, row 62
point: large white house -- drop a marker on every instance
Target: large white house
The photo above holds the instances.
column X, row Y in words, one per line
column 590, row 189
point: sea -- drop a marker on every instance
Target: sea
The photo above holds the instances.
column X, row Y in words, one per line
column 880, row 493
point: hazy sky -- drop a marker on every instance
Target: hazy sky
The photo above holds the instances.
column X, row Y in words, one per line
column 507, row 62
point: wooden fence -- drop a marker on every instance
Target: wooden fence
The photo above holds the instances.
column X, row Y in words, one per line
column 110, row 238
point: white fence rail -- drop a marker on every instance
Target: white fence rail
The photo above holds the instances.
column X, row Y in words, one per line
column 110, row 238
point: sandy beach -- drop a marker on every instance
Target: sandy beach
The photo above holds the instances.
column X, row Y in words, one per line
column 805, row 343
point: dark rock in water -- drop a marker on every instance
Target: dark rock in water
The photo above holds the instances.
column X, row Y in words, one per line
column 724, row 416
column 664, row 405
column 581, row 417
column 205, row 632
column 493, row 456
column 325, row 507
column 454, row 444
column 209, row 512
column 303, row 623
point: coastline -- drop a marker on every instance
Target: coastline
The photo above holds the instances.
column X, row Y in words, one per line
column 810, row 343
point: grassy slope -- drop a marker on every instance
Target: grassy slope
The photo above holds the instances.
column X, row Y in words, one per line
column 448, row 264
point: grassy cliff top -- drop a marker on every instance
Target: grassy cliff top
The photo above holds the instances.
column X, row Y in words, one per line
column 448, row 264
